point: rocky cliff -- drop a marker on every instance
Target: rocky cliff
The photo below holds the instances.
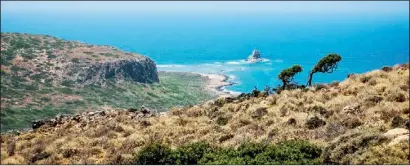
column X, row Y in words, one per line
column 54, row 60
column 139, row 70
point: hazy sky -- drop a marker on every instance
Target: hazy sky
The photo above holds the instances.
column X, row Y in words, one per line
column 395, row 7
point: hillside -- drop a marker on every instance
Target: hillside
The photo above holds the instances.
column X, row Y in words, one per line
column 44, row 76
column 362, row 120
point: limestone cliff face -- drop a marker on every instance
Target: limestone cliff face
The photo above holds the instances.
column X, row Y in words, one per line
column 141, row 70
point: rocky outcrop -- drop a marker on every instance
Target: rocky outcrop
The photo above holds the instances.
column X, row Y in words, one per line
column 141, row 70
column 255, row 56
column 85, row 118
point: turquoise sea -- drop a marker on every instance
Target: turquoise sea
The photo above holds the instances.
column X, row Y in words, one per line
column 219, row 43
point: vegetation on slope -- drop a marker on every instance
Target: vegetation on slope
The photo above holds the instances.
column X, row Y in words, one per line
column 174, row 89
column 362, row 120
column 39, row 81
column 288, row 152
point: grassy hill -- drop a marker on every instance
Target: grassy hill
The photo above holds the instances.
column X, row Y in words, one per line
column 43, row 76
column 362, row 120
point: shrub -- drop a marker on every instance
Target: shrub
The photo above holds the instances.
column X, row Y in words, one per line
column 396, row 95
column 289, row 152
column 190, row 154
column 75, row 60
column 314, row 123
column 292, row 121
column 222, row 120
column 154, row 154
column 226, row 137
column 347, row 147
column 398, row 122
column 387, row 68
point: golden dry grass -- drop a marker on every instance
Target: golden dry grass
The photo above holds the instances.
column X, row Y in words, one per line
column 357, row 110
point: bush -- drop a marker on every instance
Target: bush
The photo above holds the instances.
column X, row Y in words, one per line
column 75, row 60
column 314, row 123
column 190, row 154
column 289, row 152
column 154, row 154
column 221, row 120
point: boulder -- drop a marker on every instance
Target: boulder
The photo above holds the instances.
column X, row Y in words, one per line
column 399, row 139
column 145, row 110
column 395, row 132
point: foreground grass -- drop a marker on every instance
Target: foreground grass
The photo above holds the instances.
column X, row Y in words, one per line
column 174, row 89
column 362, row 120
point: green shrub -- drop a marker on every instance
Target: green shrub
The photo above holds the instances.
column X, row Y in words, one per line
column 75, row 60
column 50, row 56
column 222, row 120
column 289, row 152
column 68, row 83
column 190, row 154
column 154, row 154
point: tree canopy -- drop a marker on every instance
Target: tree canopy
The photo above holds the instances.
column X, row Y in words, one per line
column 327, row 64
column 287, row 75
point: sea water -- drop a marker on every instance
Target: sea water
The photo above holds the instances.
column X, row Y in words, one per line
column 220, row 43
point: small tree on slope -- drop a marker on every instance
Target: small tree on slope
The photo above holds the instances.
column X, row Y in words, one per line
column 327, row 64
column 286, row 75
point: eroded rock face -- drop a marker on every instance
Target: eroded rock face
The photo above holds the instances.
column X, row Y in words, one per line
column 141, row 70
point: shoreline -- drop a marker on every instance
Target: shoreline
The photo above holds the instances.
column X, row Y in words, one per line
column 216, row 83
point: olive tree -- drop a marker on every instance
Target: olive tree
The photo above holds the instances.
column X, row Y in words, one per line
column 286, row 75
column 327, row 64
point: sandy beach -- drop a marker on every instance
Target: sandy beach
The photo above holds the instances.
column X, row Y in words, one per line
column 216, row 84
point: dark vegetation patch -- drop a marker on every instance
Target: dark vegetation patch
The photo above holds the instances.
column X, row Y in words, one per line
column 288, row 152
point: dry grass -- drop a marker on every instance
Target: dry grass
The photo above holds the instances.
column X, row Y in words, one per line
column 354, row 111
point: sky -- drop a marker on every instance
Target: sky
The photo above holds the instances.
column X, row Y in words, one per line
column 361, row 7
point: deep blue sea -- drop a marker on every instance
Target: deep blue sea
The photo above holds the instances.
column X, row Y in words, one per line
column 219, row 43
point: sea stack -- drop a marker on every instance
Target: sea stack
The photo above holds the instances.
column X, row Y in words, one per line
column 255, row 56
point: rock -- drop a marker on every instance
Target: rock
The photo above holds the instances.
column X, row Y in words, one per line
column 132, row 110
column 37, row 124
column 255, row 56
column 395, row 132
column 399, row 139
column 259, row 112
column 351, row 109
column 144, row 110
column 49, row 123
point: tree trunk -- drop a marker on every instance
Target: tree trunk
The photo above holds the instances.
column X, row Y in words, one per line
column 309, row 83
column 284, row 85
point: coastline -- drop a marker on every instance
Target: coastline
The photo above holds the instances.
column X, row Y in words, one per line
column 216, row 83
